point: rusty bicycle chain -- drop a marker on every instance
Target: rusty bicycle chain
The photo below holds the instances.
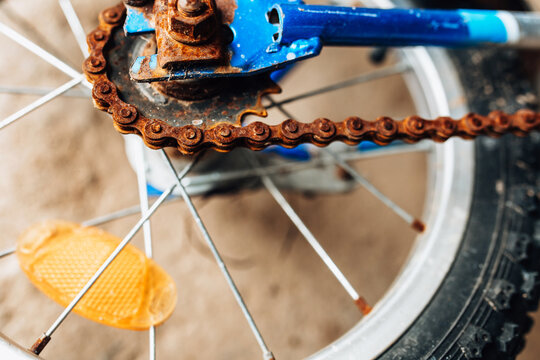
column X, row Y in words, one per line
column 190, row 139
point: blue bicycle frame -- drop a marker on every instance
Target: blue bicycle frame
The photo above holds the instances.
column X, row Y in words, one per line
column 269, row 34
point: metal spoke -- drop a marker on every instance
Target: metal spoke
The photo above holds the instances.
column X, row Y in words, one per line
column 411, row 220
column 140, row 168
column 371, row 76
column 45, row 55
column 267, row 354
column 116, row 215
column 7, row 252
column 75, row 25
column 19, row 90
column 30, row 28
column 40, row 344
column 41, row 101
column 113, row 216
column 308, row 235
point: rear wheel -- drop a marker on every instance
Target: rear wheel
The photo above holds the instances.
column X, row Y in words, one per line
column 450, row 298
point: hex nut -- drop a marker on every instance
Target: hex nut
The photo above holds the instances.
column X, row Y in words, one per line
column 189, row 29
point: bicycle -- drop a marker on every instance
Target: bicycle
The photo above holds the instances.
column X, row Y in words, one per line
column 433, row 247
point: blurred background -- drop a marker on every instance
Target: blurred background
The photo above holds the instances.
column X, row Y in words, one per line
column 65, row 161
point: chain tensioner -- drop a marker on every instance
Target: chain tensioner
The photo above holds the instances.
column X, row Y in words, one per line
column 216, row 121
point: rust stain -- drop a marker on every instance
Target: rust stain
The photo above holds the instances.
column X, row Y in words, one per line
column 363, row 306
column 172, row 52
column 418, row 226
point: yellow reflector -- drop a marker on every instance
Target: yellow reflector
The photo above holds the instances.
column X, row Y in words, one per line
column 60, row 257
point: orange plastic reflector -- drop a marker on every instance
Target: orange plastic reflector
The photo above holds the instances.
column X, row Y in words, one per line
column 60, row 257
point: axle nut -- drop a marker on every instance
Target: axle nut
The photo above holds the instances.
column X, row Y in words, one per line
column 192, row 21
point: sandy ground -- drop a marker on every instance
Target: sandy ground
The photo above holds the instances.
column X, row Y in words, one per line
column 66, row 161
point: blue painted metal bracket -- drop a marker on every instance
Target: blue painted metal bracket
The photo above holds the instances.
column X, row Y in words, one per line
column 269, row 36
column 252, row 51
column 137, row 21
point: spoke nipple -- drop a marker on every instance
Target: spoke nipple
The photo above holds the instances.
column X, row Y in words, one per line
column 418, row 226
column 40, row 344
column 363, row 306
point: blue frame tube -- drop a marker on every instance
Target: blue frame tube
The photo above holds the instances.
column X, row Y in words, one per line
column 393, row 27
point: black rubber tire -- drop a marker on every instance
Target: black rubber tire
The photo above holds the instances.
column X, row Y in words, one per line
column 480, row 310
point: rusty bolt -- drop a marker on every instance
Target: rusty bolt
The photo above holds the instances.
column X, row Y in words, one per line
column 99, row 36
column 357, row 124
column 449, row 125
column 125, row 113
column 477, row 122
column 95, row 62
column 259, row 129
column 111, row 16
column 324, row 126
column 388, row 125
column 191, row 134
column 156, row 128
column 191, row 7
column 225, row 131
column 291, row 126
column 192, row 21
column 104, row 88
